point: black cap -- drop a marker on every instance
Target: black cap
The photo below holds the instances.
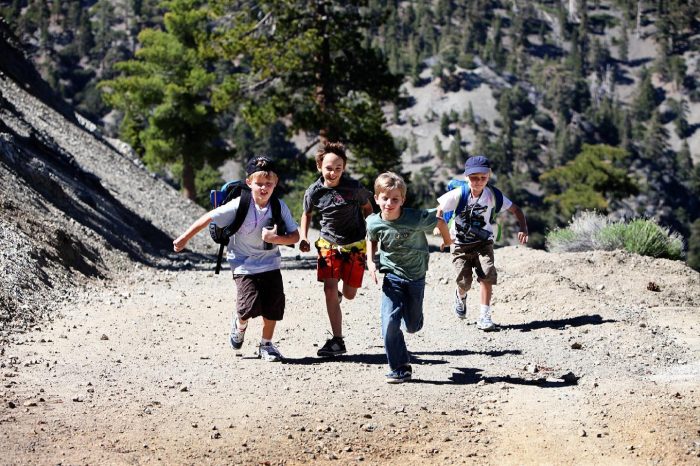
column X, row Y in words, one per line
column 260, row 164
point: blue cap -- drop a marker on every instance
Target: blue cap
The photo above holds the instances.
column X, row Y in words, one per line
column 477, row 164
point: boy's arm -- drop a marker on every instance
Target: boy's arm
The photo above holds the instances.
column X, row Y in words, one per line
column 304, row 223
column 371, row 266
column 522, row 222
column 200, row 224
column 444, row 232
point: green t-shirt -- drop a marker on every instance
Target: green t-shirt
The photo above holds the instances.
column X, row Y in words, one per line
column 403, row 247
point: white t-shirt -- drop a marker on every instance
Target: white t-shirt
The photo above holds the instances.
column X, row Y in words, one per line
column 479, row 207
column 246, row 252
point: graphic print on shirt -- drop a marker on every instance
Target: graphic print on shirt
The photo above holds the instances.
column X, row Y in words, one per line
column 470, row 222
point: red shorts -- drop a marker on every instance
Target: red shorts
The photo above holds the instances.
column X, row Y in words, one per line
column 346, row 263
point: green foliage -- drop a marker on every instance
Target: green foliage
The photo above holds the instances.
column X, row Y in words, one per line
column 694, row 245
column 647, row 238
column 310, row 62
column 165, row 94
column 597, row 176
column 590, row 231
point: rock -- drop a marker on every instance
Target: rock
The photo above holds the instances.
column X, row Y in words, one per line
column 576, row 345
column 582, row 433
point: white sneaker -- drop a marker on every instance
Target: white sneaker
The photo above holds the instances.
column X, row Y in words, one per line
column 485, row 323
column 269, row 352
column 460, row 306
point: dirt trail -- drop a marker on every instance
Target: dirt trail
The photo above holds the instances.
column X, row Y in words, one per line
column 139, row 371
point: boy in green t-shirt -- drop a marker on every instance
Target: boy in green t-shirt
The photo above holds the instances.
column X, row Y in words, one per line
column 403, row 258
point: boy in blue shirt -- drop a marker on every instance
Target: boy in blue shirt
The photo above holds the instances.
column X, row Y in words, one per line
column 403, row 258
column 256, row 269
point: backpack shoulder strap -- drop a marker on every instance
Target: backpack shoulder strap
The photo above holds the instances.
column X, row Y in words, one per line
column 241, row 212
column 498, row 196
column 463, row 199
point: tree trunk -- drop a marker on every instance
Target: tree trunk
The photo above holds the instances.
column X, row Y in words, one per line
column 188, row 179
column 324, row 97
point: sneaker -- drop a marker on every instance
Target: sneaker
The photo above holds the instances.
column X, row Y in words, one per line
column 460, row 306
column 485, row 323
column 269, row 352
column 334, row 347
column 400, row 375
column 236, row 338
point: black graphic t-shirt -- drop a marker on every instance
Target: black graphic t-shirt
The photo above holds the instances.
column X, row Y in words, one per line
column 340, row 207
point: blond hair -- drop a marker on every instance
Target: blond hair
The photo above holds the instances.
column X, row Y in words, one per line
column 388, row 181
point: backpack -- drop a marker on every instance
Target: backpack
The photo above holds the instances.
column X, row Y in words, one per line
column 229, row 191
column 464, row 198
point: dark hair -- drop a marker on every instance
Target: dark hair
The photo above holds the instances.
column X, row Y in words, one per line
column 336, row 148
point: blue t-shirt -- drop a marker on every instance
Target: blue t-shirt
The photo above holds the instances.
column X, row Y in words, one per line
column 403, row 247
column 246, row 252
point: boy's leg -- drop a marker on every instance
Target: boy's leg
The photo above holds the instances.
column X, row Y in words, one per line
column 413, row 307
column 353, row 268
column 462, row 260
column 330, row 289
column 488, row 277
column 392, row 310
column 268, row 329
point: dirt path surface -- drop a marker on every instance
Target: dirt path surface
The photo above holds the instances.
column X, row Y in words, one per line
column 589, row 367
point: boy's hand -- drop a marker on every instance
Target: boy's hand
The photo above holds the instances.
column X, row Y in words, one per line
column 304, row 246
column 522, row 237
column 179, row 243
column 269, row 234
column 445, row 244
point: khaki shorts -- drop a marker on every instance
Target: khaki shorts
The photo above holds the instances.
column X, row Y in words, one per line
column 478, row 256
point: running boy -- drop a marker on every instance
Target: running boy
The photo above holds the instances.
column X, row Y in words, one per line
column 343, row 204
column 256, row 269
column 472, row 233
column 403, row 258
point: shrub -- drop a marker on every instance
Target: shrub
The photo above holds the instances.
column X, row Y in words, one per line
column 647, row 238
column 589, row 231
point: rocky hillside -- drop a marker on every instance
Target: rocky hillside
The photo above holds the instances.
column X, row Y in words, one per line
column 73, row 206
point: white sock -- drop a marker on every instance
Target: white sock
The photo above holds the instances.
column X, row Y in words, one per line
column 485, row 309
column 242, row 325
column 264, row 341
column 461, row 295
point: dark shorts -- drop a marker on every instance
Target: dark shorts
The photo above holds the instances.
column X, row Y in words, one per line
column 260, row 294
column 478, row 256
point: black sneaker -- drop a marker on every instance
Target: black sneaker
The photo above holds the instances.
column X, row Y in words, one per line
column 334, row 347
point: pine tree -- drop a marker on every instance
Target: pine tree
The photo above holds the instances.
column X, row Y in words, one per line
column 311, row 62
column 166, row 93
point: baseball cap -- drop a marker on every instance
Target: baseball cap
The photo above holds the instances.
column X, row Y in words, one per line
column 477, row 164
column 260, row 164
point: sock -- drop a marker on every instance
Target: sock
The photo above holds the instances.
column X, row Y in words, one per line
column 241, row 325
column 461, row 295
column 264, row 341
column 485, row 309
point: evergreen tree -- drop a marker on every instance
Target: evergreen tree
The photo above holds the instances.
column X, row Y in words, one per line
column 311, row 62
column 592, row 180
column 645, row 101
column 655, row 143
column 694, row 245
column 165, row 94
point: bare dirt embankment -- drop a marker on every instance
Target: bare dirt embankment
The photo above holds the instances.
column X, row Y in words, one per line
column 589, row 367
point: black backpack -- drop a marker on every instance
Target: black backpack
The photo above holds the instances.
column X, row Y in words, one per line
column 229, row 191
